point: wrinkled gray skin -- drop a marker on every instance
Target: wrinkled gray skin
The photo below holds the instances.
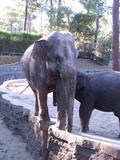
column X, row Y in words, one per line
column 49, row 65
column 97, row 91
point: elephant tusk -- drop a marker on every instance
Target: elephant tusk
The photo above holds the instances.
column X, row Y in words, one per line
column 46, row 64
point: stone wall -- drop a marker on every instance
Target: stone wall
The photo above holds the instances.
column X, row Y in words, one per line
column 66, row 146
column 21, row 122
column 60, row 145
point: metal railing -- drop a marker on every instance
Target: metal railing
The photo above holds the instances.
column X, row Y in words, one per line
column 10, row 54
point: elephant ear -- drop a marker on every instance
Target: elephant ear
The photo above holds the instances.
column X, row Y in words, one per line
column 40, row 49
column 80, row 80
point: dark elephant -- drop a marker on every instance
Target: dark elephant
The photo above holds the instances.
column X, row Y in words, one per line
column 97, row 91
column 49, row 65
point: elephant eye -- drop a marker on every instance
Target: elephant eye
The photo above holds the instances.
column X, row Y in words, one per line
column 58, row 58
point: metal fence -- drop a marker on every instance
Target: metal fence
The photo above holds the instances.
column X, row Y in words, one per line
column 10, row 54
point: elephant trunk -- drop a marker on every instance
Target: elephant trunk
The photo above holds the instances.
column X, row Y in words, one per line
column 53, row 69
column 65, row 103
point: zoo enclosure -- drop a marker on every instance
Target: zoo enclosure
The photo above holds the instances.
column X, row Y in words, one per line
column 93, row 52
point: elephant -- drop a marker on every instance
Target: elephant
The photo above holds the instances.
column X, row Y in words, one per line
column 50, row 65
column 99, row 91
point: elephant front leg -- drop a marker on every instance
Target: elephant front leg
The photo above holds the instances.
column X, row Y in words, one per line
column 43, row 109
column 65, row 102
column 54, row 99
column 61, row 109
column 84, row 114
column 61, row 120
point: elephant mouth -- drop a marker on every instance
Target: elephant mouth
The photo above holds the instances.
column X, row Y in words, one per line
column 51, row 88
column 55, row 76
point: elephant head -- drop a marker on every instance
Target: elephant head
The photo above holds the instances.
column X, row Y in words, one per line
column 80, row 84
column 56, row 51
column 51, row 64
column 80, row 80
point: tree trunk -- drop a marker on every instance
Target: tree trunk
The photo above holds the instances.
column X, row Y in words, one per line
column 115, row 40
column 26, row 15
column 29, row 23
column 97, row 24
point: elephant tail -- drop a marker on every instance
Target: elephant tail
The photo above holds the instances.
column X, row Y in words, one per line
column 24, row 89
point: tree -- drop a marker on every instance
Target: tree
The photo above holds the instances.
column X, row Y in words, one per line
column 51, row 13
column 96, row 7
column 26, row 14
column 81, row 24
column 19, row 17
column 56, row 13
column 13, row 19
column 115, row 41
column 31, row 8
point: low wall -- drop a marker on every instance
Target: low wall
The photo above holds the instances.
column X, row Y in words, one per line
column 9, row 59
column 18, row 119
column 11, row 71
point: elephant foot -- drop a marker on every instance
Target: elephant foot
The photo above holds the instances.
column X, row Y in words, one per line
column 54, row 104
column 60, row 125
column 61, row 121
column 45, row 124
column 36, row 114
column 85, row 129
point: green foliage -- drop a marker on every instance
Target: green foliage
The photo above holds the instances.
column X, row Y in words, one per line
column 103, row 59
column 59, row 17
column 11, row 19
column 12, row 42
column 105, row 44
column 82, row 54
column 105, row 48
column 92, row 6
column 82, row 25
column 102, row 53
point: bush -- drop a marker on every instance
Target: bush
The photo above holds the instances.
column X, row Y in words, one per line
column 13, row 42
column 82, row 54
column 103, row 59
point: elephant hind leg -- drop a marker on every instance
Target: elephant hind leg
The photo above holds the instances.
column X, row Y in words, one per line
column 119, row 127
column 36, row 100
column 117, row 114
column 42, row 104
column 54, row 99
column 85, row 115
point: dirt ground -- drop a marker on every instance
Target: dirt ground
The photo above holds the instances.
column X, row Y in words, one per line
column 86, row 64
column 12, row 147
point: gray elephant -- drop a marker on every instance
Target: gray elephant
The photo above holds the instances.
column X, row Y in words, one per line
column 97, row 91
column 49, row 65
